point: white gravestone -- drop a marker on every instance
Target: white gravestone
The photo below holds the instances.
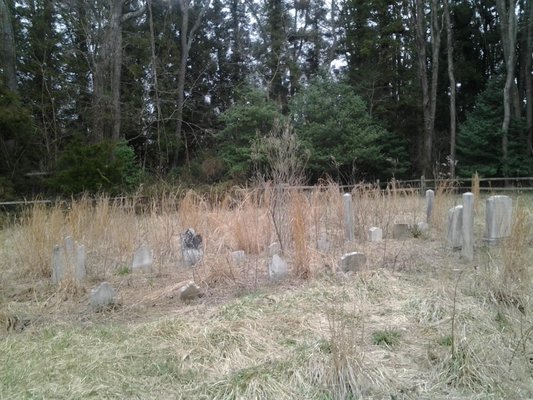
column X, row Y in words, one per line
column 467, row 252
column 454, row 234
column 498, row 218
column 142, row 259
column 349, row 227
column 375, row 234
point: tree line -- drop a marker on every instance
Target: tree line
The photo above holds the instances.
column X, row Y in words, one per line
column 107, row 94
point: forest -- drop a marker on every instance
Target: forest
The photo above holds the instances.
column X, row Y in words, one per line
column 105, row 96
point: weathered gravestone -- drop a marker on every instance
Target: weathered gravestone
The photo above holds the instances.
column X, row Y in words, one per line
column 430, row 201
column 58, row 264
column 467, row 251
column 190, row 292
column 68, row 260
column 498, row 218
column 375, row 234
column 102, row 297
column 353, row 262
column 238, row 257
column 401, row 231
column 277, row 268
column 349, row 228
column 324, row 243
column 191, row 248
column 142, row 259
column 454, row 235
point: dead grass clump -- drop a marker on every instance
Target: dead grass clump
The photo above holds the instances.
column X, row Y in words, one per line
column 299, row 213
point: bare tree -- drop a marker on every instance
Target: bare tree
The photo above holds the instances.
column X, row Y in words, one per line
column 7, row 49
column 186, row 39
column 451, row 77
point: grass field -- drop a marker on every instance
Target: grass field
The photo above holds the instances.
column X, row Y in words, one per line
column 417, row 323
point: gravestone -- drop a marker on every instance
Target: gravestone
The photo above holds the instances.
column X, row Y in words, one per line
column 467, row 251
column 324, row 243
column 80, row 271
column 349, row 228
column 277, row 268
column 401, row 231
column 375, row 234
column 59, row 264
column 274, row 248
column 102, row 297
column 430, row 201
column 190, row 292
column 498, row 218
column 454, row 234
column 238, row 257
column 191, row 250
column 68, row 259
column 353, row 262
column 142, row 259
column 422, row 227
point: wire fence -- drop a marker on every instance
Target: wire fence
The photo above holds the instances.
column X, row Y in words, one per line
column 490, row 185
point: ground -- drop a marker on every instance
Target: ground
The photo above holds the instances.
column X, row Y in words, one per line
column 417, row 322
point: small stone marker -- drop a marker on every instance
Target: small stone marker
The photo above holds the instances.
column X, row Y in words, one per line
column 69, row 247
column 353, row 262
column 142, row 259
column 401, row 231
column 430, row 201
column 274, row 248
column 102, row 297
column 277, row 268
column 190, row 292
column 375, row 234
column 349, row 227
column 422, row 227
column 58, row 264
column 323, row 243
column 467, row 252
column 238, row 257
column 191, row 250
column 498, row 218
column 454, row 235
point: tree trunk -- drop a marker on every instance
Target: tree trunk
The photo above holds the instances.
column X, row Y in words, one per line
column 429, row 96
column 451, row 77
column 107, row 75
column 508, row 28
column 528, row 80
column 7, row 43
column 186, row 40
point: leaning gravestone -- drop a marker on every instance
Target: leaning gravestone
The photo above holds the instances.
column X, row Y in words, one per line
column 191, row 248
column 375, row 234
column 102, row 297
column 190, row 292
column 498, row 218
column 454, row 234
column 142, row 259
column 277, row 268
column 349, row 228
column 353, row 262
